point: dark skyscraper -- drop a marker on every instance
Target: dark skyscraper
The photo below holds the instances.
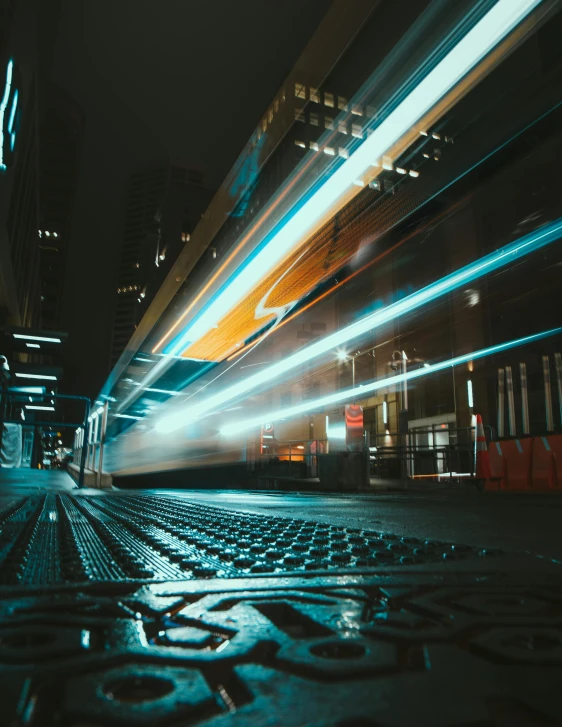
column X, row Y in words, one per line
column 162, row 205
column 61, row 135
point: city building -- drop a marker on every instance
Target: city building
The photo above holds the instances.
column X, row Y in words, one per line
column 162, row 206
column 338, row 209
column 61, row 138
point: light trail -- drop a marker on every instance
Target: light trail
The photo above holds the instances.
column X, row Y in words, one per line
column 487, row 264
column 500, row 20
column 362, row 390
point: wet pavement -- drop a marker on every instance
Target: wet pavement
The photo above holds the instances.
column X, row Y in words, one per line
column 242, row 608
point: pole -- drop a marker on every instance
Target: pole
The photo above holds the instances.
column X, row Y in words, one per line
column 510, row 401
column 501, row 395
column 405, row 407
column 558, row 363
column 524, row 398
column 102, row 442
column 84, row 444
column 547, row 394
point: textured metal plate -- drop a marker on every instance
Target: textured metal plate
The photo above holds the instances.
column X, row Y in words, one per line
column 102, row 623
column 51, row 539
column 389, row 650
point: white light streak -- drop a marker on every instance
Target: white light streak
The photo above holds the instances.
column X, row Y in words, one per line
column 349, row 394
column 28, row 337
column 469, row 51
column 39, row 408
column 36, row 376
column 336, row 340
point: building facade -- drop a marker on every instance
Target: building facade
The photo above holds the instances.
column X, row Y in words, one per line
column 162, row 206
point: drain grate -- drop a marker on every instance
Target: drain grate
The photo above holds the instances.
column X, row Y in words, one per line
column 51, row 539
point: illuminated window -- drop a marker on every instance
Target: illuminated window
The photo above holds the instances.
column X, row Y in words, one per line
column 375, row 184
column 185, row 237
column 328, row 122
column 283, row 96
column 356, row 131
column 270, row 115
column 371, row 111
column 314, row 95
column 137, row 265
column 264, row 125
column 329, row 151
column 357, row 111
column 413, row 173
column 301, row 144
column 276, row 105
column 400, row 170
column 314, row 146
column 387, row 164
column 313, row 118
column 343, row 153
column 299, row 115
column 329, row 99
column 436, row 136
column 342, row 103
column 342, row 127
column 300, row 90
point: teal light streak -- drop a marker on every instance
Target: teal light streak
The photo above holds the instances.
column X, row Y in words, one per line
column 500, row 258
column 3, row 105
column 361, row 391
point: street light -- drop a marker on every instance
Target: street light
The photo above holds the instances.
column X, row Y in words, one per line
column 342, row 357
column 394, row 366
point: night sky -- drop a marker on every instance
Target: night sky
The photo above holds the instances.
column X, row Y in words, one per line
column 185, row 80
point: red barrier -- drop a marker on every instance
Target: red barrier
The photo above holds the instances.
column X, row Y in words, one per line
column 555, row 444
column 531, row 464
column 518, row 456
column 497, row 467
column 544, row 475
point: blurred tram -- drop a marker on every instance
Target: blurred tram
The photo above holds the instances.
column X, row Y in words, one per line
column 332, row 251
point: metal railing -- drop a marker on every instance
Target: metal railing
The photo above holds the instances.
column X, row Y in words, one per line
column 9, row 398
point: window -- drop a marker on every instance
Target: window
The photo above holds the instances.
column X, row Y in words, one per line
column 342, row 127
column 313, row 118
column 342, row 103
column 299, row 115
column 329, row 151
column 343, row 153
column 270, row 115
column 264, row 125
column 356, row 131
column 300, row 90
column 276, row 105
column 357, row 111
column 328, row 122
column 371, row 111
column 301, row 144
column 314, row 146
column 329, row 99
column 314, row 95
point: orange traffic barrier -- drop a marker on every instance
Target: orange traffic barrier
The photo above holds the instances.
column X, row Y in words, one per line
column 497, row 467
column 483, row 469
column 555, row 444
column 518, row 457
column 544, row 475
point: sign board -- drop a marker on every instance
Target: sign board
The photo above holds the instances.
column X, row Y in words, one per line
column 354, row 428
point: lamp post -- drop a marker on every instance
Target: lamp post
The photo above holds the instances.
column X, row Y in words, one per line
column 343, row 356
column 4, row 381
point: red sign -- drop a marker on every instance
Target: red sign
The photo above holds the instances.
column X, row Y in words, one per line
column 354, row 427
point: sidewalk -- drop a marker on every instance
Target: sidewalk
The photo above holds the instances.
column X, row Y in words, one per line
column 26, row 481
